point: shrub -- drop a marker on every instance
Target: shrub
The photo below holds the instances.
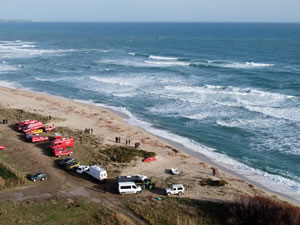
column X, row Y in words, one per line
column 263, row 211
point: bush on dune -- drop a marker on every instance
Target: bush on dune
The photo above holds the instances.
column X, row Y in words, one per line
column 263, row 211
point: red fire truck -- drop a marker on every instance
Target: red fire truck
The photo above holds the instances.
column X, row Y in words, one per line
column 33, row 126
column 62, row 143
column 22, row 124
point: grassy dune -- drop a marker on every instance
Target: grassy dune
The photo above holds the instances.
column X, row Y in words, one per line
column 64, row 211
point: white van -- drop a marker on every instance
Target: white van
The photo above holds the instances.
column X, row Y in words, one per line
column 97, row 172
column 128, row 188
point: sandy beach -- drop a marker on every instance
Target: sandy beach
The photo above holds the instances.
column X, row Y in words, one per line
column 108, row 125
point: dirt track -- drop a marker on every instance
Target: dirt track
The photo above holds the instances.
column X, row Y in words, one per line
column 31, row 158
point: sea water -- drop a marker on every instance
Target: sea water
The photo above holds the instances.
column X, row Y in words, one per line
column 228, row 91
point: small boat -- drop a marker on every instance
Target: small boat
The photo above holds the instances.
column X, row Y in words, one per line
column 2, row 147
column 175, row 171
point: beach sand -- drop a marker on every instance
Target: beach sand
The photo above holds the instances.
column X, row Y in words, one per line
column 108, row 125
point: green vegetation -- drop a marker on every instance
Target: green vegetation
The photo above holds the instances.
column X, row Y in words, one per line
column 90, row 149
column 9, row 177
column 262, row 211
column 65, row 211
column 124, row 154
column 16, row 115
column 176, row 211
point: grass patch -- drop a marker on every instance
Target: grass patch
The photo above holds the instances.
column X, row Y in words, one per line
column 9, row 177
column 58, row 212
column 176, row 211
column 262, row 211
column 90, row 149
column 17, row 115
column 124, row 154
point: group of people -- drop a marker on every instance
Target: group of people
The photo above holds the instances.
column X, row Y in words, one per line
column 88, row 130
column 118, row 140
column 5, row 121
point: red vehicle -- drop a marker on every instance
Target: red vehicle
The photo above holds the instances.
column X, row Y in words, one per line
column 62, row 143
column 22, row 124
column 2, row 147
column 58, row 152
column 37, row 138
column 49, row 128
column 33, row 126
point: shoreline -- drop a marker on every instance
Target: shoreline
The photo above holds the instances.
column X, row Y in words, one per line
column 193, row 153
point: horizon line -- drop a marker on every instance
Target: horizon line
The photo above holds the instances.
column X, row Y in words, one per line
column 91, row 21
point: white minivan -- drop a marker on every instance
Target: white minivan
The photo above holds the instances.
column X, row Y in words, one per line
column 97, row 172
column 128, row 188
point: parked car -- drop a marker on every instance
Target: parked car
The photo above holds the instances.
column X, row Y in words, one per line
column 175, row 189
column 38, row 176
column 62, row 152
column 63, row 162
column 82, row 168
column 128, row 188
column 71, row 165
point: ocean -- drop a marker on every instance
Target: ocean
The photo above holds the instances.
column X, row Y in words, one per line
column 228, row 91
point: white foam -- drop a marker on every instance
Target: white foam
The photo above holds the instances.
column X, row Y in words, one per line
column 9, row 84
column 233, row 65
column 162, row 57
column 291, row 113
column 247, row 65
column 167, row 63
column 131, row 53
column 21, row 49
column 113, row 80
column 53, row 79
column 123, row 62
column 214, row 89
column 4, row 67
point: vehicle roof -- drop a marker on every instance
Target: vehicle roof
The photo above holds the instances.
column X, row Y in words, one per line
column 38, row 173
column 126, row 183
column 96, row 167
column 177, row 185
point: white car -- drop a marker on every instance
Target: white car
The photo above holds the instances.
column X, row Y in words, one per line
column 175, row 189
column 82, row 169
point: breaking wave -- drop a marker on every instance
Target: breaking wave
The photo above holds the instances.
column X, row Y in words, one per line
column 162, row 57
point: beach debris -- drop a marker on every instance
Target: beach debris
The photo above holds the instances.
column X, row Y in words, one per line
column 150, row 159
column 213, row 181
column 175, row 171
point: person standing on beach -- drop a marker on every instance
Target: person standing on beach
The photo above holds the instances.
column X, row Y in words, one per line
column 213, row 171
